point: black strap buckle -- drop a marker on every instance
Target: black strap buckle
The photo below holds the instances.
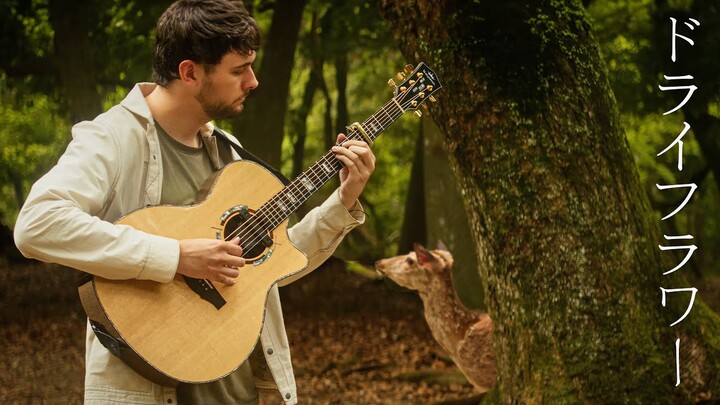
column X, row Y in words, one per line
column 110, row 343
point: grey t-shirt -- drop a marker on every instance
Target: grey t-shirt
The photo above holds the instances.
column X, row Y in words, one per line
column 185, row 171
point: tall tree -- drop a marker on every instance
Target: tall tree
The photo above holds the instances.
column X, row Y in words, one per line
column 565, row 236
column 262, row 126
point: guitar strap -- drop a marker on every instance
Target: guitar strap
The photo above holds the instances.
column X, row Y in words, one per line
column 106, row 334
column 222, row 136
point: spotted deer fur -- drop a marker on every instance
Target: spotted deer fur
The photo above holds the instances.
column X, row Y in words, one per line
column 466, row 335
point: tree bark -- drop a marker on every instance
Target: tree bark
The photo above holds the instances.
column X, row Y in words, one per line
column 262, row 125
column 565, row 237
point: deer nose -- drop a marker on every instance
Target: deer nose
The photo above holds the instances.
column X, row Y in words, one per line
column 378, row 265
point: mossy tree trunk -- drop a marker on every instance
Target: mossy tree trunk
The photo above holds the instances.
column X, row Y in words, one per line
column 566, row 241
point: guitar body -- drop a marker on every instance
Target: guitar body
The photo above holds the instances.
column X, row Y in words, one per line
column 170, row 326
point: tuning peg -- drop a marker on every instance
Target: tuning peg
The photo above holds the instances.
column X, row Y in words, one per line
column 433, row 99
column 400, row 76
column 408, row 68
column 418, row 113
column 391, row 83
column 424, row 106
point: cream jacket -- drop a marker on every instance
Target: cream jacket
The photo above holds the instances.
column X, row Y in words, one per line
column 112, row 166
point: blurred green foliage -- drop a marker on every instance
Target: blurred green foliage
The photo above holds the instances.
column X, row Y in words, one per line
column 32, row 133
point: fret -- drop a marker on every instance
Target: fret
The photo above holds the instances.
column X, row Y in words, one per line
column 388, row 114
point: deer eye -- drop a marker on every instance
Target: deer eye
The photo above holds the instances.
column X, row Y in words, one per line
column 409, row 261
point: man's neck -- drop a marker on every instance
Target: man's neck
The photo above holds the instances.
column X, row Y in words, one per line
column 178, row 114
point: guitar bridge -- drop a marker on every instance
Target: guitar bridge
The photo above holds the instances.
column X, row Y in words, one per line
column 206, row 290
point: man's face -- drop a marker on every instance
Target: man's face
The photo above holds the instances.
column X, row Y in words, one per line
column 226, row 85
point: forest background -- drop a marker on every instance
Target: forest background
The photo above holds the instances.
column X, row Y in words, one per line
column 62, row 62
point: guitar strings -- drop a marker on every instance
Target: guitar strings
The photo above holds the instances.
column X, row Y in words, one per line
column 263, row 222
column 312, row 176
column 294, row 187
column 257, row 230
column 255, row 223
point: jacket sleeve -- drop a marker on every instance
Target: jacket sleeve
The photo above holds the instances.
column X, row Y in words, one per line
column 60, row 221
column 320, row 232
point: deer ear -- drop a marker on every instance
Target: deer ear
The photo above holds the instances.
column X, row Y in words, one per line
column 441, row 246
column 424, row 257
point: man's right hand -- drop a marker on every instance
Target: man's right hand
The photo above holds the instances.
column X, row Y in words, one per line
column 211, row 259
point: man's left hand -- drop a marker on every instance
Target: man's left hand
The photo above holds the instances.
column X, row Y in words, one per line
column 359, row 161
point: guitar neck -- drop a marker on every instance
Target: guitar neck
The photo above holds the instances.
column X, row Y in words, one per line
column 288, row 200
column 419, row 86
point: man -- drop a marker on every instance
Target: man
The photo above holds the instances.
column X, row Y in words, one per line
column 157, row 147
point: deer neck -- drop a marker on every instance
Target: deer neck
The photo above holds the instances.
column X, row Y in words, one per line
column 445, row 314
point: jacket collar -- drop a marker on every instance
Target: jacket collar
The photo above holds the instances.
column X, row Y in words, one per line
column 136, row 104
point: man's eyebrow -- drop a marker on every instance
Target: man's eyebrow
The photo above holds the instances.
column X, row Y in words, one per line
column 242, row 65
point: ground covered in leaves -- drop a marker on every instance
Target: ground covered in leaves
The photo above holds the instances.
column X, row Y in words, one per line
column 354, row 340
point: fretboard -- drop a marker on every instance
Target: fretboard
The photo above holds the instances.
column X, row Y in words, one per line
column 288, row 200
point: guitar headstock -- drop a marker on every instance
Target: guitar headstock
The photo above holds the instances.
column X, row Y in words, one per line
column 417, row 86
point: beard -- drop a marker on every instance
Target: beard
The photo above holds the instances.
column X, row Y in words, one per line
column 217, row 110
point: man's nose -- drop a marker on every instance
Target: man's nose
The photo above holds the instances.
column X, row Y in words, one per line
column 251, row 83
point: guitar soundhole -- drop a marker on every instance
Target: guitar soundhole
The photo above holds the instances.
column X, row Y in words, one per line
column 254, row 243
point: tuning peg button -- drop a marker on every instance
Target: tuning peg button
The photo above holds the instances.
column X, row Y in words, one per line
column 400, row 76
column 418, row 113
column 391, row 83
column 408, row 68
column 433, row 99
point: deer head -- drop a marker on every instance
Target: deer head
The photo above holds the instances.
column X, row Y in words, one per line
column 416, row 269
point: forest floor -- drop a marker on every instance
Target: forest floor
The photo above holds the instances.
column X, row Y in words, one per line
column 354, row 340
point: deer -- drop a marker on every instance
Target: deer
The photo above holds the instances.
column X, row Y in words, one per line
column 464, row 334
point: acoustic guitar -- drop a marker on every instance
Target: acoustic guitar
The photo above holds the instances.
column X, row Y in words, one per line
column 195, row 331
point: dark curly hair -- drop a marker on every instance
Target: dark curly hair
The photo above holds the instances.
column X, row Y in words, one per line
column 202, row 31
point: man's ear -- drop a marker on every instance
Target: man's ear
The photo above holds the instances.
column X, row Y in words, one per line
column 424, row 257
column 189, row 71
